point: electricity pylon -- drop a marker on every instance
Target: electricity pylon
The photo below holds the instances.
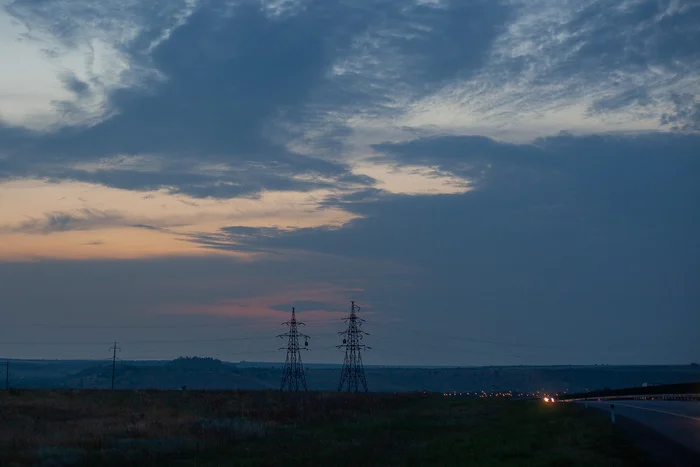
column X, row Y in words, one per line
column 7, row 375
column 353, row 373
column 114, row 350
column 293, row 378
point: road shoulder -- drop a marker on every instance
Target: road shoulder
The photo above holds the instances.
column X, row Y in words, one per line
column 661, row 449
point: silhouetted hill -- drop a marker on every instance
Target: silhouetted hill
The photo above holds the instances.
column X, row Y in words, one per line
column 207, row 373
column 197, row 364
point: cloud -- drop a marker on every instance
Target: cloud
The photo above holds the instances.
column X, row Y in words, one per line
column 584, row 67
column 307, row 305
column 231, row 78
column 557, row 237
column 75, row 85
column 95, row 243
column 612, row 185
column 250, row 88
column 686, row 115
column 146, row 226
column 84, row 219
column 621, row 183
column 519, row 167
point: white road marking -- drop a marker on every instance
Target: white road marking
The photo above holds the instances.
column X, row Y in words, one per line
column 660, row 411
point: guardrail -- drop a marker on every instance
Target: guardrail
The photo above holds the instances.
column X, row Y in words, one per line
column 680, row 391
column 671, row 397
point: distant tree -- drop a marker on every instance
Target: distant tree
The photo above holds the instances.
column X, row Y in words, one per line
column 196, row 363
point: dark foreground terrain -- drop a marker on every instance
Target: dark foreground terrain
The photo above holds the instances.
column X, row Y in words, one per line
column 151, row 428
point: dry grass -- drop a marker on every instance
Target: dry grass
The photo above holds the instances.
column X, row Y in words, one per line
column 68, row 428
column 52, row 422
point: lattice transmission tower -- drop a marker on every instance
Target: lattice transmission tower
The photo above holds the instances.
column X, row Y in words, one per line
column 352, row 376
column 293, row 378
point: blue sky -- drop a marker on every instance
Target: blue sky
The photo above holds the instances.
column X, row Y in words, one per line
column 501, row 182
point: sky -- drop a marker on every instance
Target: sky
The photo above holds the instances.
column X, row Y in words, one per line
column 494, row 182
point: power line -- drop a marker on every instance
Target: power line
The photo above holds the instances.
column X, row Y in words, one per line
column 170, row 341
column 158, row 326
column 352, row 376
column 468, row 338
column 518, row 350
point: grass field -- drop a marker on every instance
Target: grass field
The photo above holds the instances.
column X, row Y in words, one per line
column 51, row 428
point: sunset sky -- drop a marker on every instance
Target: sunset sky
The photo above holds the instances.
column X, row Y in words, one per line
column 494, row 182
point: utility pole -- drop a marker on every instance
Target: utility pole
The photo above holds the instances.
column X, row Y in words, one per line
column 293, row 378
column 353, row 373
column 114, row 350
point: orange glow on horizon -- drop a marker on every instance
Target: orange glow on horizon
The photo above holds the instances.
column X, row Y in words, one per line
column 115, row 243
column 99, row 220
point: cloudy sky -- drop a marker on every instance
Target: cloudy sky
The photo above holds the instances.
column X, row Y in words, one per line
column 494, row 182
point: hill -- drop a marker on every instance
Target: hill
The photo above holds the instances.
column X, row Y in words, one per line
column 212, row 374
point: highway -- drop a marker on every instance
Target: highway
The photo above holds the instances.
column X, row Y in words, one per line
column 677, row 420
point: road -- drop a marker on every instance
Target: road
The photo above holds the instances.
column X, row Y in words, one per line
column 677, row 420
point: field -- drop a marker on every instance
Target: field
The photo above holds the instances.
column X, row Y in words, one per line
column 191, row 428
